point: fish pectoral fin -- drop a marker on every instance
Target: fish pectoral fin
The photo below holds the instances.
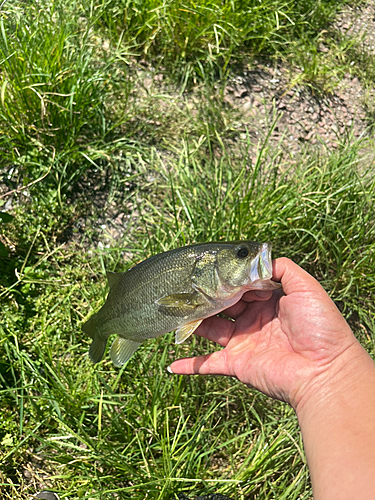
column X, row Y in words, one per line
column 183, row 332
column 186, row 301
column 122, row 350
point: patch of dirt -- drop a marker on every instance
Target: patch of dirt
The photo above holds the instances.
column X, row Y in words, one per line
column 303, row 117
column 359, row 21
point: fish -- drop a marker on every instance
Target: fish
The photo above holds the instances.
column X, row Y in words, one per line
column 176, row 290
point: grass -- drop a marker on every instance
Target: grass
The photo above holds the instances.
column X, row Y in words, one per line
column 55, row 79
column 199, row 40
column 87, row 133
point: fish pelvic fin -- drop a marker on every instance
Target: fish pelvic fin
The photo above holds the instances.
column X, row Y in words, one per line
column 185, row 331
column 122, row 350
column 97, row 348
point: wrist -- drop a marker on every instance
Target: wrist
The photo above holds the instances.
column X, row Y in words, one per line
column 335, row 385
column 336, row 418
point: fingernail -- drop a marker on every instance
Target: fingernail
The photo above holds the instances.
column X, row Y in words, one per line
column 169, row 369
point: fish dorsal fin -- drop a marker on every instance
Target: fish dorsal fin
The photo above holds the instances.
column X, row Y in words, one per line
column 185, row 331
column 113, row 278
column 122, row 350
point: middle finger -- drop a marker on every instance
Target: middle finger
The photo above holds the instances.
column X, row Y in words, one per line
column 219, row 330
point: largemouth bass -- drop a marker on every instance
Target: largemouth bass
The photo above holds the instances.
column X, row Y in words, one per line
column 176, row 290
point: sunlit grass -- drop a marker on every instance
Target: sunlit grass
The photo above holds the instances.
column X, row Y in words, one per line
column 55, row 79
column 199, row 40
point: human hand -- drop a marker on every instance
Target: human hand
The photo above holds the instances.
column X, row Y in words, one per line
column 286, row 344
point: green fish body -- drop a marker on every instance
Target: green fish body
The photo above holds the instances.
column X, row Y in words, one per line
column 176, row 290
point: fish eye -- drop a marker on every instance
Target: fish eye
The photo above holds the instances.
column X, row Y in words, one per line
column 242, row 252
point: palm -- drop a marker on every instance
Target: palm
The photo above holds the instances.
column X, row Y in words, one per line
column 276, row 345
column 263, row 350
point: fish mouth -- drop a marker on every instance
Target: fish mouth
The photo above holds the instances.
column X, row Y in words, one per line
column 261, row 270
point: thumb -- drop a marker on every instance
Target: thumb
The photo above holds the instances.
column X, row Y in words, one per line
column 293, row 278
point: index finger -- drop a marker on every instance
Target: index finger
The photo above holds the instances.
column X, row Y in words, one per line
column 251, row 296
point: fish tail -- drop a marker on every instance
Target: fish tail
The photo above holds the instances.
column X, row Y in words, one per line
column 98, row 345
column 90, row 327
column 97, row 349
